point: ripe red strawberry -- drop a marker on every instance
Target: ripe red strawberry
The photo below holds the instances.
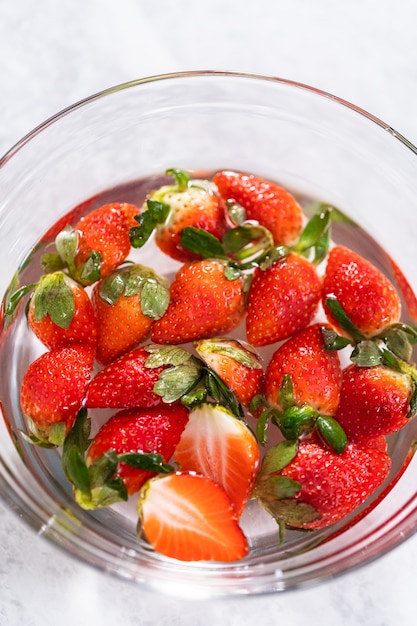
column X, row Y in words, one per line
column 236, row 365
column 145, row 377
column 126, row 303
column 53, row 389
column 152, row 430
column 103, row 241
column 316, row 373
column 366, row 295
column 125, row 383
column 283, row 299
column 60, row 312
column 189, row 517
column 373, row 401
column 207, row 299
column 309, row 486
column 266, row 202
column 217, row 444
column 188, row 205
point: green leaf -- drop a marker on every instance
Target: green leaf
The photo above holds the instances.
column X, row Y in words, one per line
column 367, row 354
column 292, row 512
column 220, row 393
column 236, row 212
column 54, row 297
column 176, row 381
column 51, row 262
column 75, row 444
column 155, row 214
column 399, row 342
column 202, row 242
column 111, row 288
column 297, row 420
column 333, row 341
column 277, row 487
column 66, row 243
column 167, row 355
column 340, row 315
column 182, row 178
column 103, row 469
column 314, row 231
column 154, row 299
column 232, row 272
column 146, row 461
column 412, row 411
column 286, row 392
column 90, row 271
column 332, row 433
column 229, row 348
column 278, row 457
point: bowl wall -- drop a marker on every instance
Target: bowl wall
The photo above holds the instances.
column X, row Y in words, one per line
column 307, row 140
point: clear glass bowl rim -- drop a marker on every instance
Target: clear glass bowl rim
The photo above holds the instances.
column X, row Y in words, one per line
column 270, row 581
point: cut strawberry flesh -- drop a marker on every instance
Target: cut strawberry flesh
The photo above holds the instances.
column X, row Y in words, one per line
column 190, row 518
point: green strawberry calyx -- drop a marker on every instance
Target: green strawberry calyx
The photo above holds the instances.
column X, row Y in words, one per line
column 277, row 493
column 295, row 421
column 137, row 280
column 249, row 245
column 188, row 379
column 52, row 436
column 161, row 203
column 96, row 484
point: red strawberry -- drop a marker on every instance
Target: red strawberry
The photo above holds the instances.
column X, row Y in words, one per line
column 102, row 241
column 125, row 383
column 283, row 299
column 308, row 486
column 264, row 201
column 60, row 312
column 126, row 303
column 145, row 377
column 236, row 364
column 315, row 372
column 207, row 299
column 373, row 401
column 53, row 389
column 152, row 430
column 190, row 518
column 188, row 205
column 217, row 444
column 365, row 294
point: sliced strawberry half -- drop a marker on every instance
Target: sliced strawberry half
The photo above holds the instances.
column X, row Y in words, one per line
column 190, row 518
column 219, row 445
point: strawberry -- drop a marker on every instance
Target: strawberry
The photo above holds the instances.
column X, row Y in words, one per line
column 316, row 373
column 220, row 446
column 170, row 209
column 98, row 243
column 266, row 202
column 60, row 312
column 237, row 365
column 189, row 517
column 145, row 377
column 126, row 303
column 306, row 485
column 282, row 300
column 125, row 383
column 207, row 299
column 52, row 392
column 131, row 447
column 374, row 401
column 365, row 294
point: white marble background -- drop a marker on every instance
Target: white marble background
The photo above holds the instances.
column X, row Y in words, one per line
column 53, row 53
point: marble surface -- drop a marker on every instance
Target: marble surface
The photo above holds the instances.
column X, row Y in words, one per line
column 55, row 53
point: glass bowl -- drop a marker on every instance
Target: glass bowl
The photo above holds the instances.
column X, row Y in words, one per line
column 312, row 142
